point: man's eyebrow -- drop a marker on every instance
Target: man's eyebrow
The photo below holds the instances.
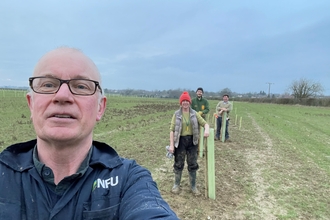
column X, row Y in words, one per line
column 81, row 77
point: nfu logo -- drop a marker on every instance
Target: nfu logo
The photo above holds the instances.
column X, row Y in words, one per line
column 105, row 184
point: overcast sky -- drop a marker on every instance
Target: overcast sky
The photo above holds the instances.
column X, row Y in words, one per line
column 244, row 45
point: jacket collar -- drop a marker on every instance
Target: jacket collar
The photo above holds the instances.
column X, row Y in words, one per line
column 20, row 156
column 191, row 111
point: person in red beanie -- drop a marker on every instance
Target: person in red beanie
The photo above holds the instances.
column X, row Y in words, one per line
column 184, row 136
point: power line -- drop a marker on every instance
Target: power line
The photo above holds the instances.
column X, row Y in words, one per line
column 269, row 83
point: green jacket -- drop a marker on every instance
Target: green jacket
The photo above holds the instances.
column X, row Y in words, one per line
column 200, row 105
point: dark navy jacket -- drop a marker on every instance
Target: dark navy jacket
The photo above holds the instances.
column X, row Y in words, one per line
column 111, row 188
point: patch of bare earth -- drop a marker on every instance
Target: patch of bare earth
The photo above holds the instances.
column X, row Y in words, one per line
column 258, row 159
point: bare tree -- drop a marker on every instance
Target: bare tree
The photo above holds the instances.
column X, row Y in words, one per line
column 305, row 88
column 226, row 91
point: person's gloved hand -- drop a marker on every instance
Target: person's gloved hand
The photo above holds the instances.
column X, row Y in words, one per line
column 200, row 113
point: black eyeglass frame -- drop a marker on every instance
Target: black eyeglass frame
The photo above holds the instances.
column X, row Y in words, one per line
column 62, row 81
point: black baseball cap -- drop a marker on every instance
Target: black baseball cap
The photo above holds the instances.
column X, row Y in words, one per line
column 200, row 88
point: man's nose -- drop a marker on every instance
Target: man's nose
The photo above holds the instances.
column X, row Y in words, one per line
column 64, row 90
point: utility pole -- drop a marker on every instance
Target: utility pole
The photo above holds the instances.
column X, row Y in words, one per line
column 269, row 83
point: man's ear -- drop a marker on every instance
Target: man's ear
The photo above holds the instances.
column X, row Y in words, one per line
column 29, row 99
column 101, row 108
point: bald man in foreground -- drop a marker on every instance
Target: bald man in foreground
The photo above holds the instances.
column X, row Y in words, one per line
column 64, row 173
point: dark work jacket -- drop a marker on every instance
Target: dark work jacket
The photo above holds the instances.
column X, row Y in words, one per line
column 111, row 188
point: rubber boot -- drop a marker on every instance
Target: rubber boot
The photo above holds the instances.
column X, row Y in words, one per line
column 192, row 178
column 176, row 187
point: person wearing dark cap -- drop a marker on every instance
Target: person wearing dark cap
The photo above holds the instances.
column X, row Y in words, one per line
column 184, row 136
column 199, row 103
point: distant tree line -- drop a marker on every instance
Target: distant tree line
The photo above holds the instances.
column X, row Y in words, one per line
column 175, row 93
column 302, row 91
column 323, row 102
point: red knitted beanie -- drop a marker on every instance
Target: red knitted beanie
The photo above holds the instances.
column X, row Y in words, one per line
column 185, row 96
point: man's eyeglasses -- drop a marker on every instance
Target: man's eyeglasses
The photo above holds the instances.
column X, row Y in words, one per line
column 51, row 85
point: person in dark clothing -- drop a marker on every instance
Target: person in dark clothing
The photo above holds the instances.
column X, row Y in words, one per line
column 64, row 173
column 184, row 136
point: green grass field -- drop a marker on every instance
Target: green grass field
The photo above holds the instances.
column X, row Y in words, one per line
column 276, row 167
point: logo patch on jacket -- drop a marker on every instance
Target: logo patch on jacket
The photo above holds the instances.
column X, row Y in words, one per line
column 105, row 183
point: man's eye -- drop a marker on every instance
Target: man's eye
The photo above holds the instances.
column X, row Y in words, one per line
column 82, row 86
column 48, row 85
